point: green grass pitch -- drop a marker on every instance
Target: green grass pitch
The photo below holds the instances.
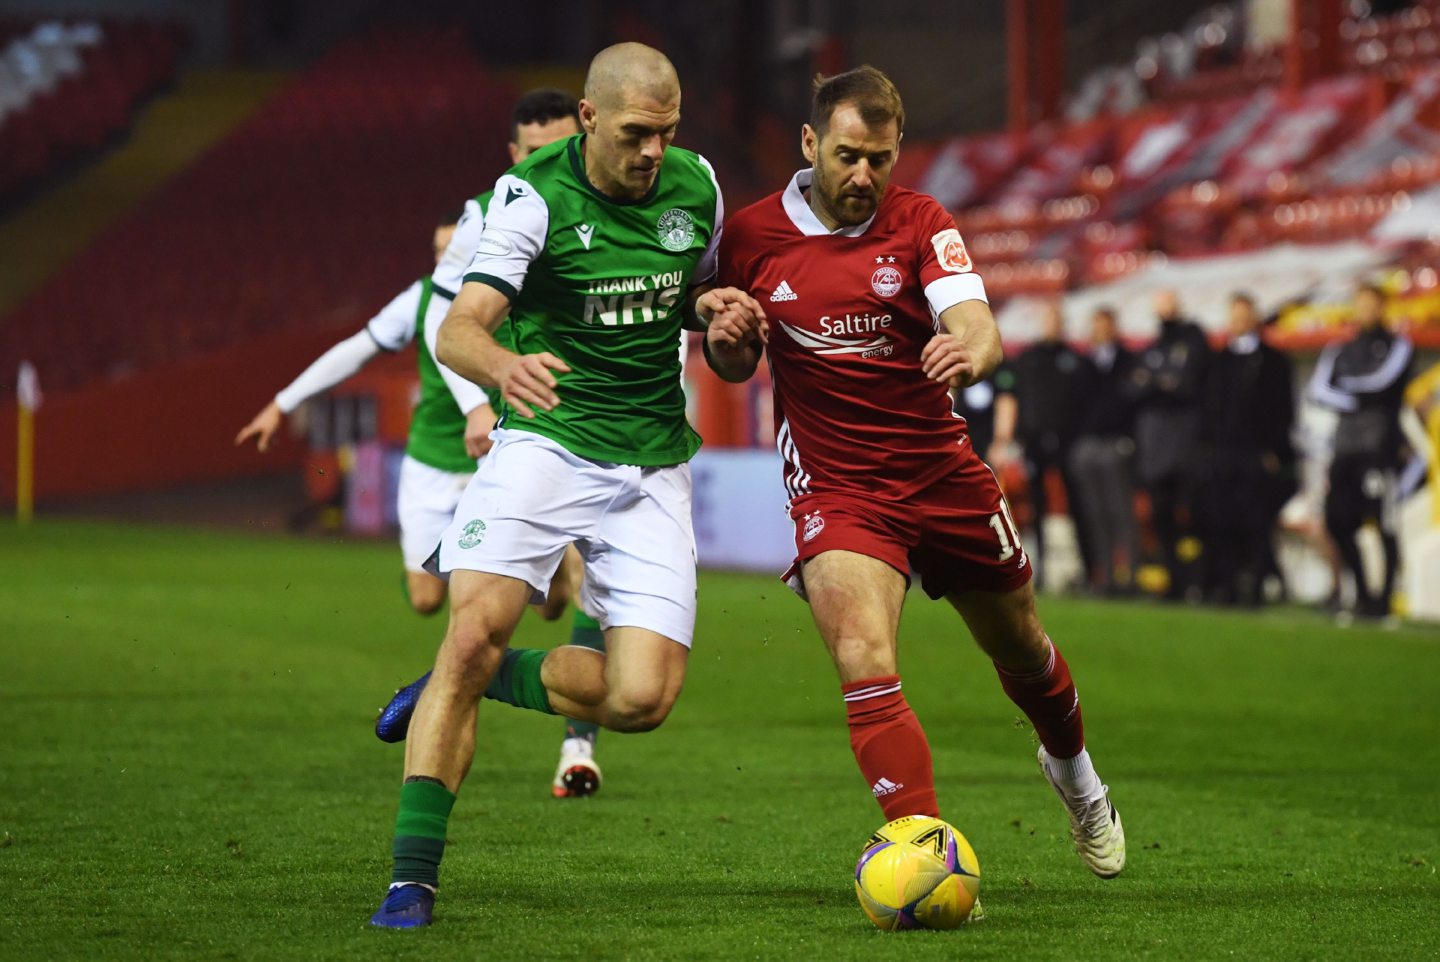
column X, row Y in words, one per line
column 188, row 771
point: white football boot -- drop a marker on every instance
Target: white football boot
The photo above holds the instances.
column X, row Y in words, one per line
column 577, row 775
column 1095, row 826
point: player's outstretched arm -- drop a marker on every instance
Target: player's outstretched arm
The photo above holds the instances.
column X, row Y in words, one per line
column 468, row 348
column 967, row 350
column 328, row 370
column 735, row 330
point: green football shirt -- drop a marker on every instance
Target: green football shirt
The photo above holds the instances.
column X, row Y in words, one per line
column 437, row 425
column 601, row 283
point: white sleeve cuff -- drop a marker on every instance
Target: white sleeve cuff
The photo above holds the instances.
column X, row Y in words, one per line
column 944, row 293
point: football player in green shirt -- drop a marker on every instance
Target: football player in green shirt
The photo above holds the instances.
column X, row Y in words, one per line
column 596, row 248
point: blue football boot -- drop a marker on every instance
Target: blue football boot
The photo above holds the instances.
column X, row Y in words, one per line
column 407, row 906
column 394, row 720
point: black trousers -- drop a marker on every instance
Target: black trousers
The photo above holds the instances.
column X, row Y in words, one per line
column 1039, row 459
column 1239, row 504
column 1363, row 489
column 1173, row 517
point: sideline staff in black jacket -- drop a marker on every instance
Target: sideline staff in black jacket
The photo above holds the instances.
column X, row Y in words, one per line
column 1040, row 396
column 1102, row 460
column 1250, row 460
column 1364, row 379
column 1168, row 384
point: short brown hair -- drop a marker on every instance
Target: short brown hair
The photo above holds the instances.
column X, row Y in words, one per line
column 867, row 88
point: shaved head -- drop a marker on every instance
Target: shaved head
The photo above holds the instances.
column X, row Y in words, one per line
column 629, row 115
column 629, row 71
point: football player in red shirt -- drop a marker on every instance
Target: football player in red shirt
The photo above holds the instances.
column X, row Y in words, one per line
column 873, row 314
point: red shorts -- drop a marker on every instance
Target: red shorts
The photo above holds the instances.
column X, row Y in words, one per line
column 956, row 533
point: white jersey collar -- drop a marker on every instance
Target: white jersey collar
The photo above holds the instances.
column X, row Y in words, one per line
column 804, row 219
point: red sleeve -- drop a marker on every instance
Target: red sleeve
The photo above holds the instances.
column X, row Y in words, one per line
column 942, row 252
column 732, row 243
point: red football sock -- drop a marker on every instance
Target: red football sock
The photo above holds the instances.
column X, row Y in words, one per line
column 1048, row 699
column 890, row 746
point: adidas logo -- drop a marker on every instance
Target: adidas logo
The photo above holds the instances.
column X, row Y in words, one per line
column 783, row 293
column 885, row 787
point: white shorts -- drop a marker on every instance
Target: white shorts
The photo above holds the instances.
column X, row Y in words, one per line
column 531, row 498
column 425, row 505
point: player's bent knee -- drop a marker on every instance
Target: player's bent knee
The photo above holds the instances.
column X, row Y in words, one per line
column 551, row 609
column 474, row 643
column 858, row 657
column 637, row 712
column 426, row 592
column 427, row 605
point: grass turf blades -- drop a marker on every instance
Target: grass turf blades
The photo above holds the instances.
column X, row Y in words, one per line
column 189, row 772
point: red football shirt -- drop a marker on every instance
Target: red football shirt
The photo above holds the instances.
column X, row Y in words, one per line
column 850, row 312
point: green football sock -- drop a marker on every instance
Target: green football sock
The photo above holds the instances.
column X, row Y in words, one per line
column 420, row 831
column 586, row 633
column 517, row 680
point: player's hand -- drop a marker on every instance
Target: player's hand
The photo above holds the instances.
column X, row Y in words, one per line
column 947, row 359
column 527, row 382
column 478, row 425
column 263, row 427
column 733, row 319
column 1002, row 454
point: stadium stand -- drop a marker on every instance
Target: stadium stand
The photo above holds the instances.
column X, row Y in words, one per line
column 1206, row 153
column 67, row 88
column 315, row 192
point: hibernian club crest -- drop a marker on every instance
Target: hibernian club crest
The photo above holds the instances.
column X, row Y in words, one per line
column 676, row 229
column 472, row 534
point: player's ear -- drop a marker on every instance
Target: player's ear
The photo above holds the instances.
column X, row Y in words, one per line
column 809, row 143
column 589, row 121
column 514, row 152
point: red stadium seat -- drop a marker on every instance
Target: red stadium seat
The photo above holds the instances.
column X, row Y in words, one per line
column 327, row 198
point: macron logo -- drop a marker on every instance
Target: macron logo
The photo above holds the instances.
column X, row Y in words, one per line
column 885, row 787
column 586, row 232
column 783, row 293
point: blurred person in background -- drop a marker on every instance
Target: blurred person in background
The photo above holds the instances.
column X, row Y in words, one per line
column 448, row 428
column 1039, row 398
column 1363, row 378
column 1168, row 385
column 976, row 404
column 1102, row 461
column 1421, row 422
column 1249, row 468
